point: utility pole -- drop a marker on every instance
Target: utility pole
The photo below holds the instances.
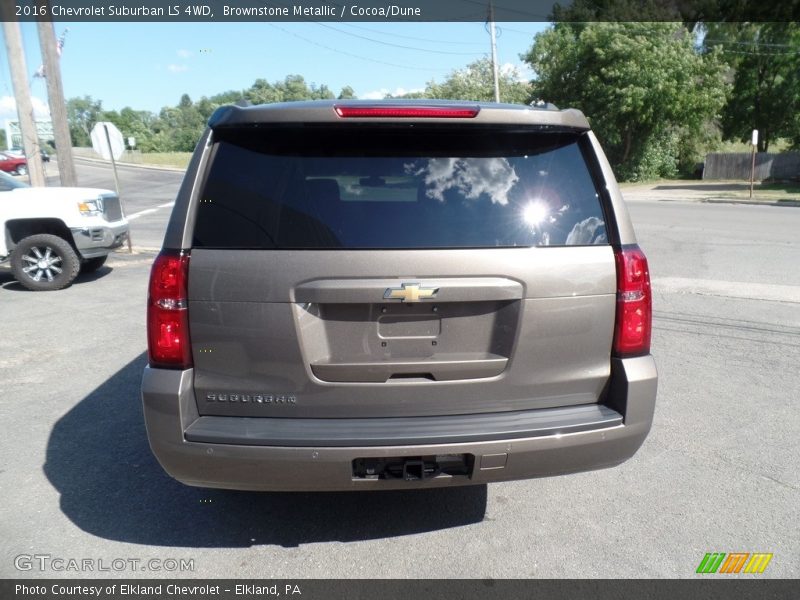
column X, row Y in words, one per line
column 754, row 144
column 494, row 53
column 55, row 96
column 22, row 94
column 116, row 180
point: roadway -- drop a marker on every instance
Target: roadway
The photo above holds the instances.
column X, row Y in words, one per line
column 147, row 194
column 718, row 473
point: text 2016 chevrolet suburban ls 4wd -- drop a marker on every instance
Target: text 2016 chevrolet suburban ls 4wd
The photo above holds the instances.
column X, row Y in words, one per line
column 357, row 295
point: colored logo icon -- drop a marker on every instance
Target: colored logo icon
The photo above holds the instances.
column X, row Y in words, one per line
column 734, row 562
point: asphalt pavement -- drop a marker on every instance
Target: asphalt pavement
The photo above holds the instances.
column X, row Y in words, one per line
column 720, row 471
column 147, row 195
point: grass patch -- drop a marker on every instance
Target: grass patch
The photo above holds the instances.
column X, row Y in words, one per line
column 784, row 187
column 725, row 190
column 628, row 184
column 774, row 192
column 178, row 160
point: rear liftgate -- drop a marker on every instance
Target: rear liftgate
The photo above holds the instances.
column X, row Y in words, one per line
column 434, row 330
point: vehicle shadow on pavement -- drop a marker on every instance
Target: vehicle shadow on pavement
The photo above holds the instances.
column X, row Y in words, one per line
column 111, row 486
column 7, row 281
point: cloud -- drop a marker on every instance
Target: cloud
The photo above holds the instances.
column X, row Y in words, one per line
column 381, row 93
column 8, row 109
column 184, row 53
column 588, row 231
column 177, row 68
column 470, row 176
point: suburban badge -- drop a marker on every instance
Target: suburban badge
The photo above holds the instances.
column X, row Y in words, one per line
column 253, row 398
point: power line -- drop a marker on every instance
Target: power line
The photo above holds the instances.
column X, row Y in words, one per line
column 795, row 50
column 362, row 37
column 751, row 43
column 519, row 31
column 381, row 62
column 763, row 53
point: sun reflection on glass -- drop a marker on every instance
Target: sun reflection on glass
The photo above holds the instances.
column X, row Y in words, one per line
column 535, row 213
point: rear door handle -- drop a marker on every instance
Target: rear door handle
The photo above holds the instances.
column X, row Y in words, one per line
column 408, row 290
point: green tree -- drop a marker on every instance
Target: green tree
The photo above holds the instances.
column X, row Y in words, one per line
column 181, row 125
column 82, row 114
column 229, row 97
column 347, row 93
column 205, row 107
column 177, row 128
column 262, row 92
column 765, row 62
column 293, row 88
column 646, row 90
column 692, row 13
column 321, row 92
column 137, row 124
column 476, row 82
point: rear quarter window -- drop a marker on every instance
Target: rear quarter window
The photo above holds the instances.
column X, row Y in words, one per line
column 397, row 187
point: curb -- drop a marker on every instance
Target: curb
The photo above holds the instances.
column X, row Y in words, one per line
column 123, row 253
column 750, row 202
column 130, row 164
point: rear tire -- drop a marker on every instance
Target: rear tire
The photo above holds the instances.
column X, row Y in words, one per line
column 90, row 265
column 22, row 170
column 44, row 262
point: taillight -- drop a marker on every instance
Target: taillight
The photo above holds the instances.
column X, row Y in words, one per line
column 634, row 303
column 168, row 343
column 429, row 112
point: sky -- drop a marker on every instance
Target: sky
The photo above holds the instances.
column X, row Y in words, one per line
column 149, row 66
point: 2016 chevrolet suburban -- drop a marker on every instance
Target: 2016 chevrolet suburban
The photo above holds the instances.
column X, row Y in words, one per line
column 356, row 295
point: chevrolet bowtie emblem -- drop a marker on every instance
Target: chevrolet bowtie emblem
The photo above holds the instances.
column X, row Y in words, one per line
column 410, row 292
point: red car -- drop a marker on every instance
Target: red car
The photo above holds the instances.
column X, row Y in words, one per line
column 13, row 164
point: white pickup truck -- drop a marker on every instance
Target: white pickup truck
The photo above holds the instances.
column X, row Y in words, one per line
column 50, row 234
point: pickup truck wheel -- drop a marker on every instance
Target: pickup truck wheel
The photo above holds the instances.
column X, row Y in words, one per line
column 22, row 170
column 44, row 262
column 90, row 265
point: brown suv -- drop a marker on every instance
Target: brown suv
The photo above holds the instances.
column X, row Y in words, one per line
column 358, row 295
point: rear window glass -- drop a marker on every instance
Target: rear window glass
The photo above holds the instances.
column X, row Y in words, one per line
column 397, row 187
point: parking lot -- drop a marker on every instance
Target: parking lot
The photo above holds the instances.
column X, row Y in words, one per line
column 720, row 471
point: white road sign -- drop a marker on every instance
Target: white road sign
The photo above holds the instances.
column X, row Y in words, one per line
column 100, row 141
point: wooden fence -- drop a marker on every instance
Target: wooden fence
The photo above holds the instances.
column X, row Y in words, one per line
column 736, row 165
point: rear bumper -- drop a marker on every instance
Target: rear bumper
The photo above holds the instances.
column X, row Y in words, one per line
column 540, row 443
